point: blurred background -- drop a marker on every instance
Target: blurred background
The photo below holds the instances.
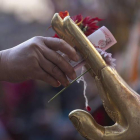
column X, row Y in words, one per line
column 24, row 110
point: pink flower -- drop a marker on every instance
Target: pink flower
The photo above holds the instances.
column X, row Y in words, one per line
column 107, row 57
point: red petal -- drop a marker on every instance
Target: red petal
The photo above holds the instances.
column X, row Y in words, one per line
column 56, row 36
column 63, row 14
column 77, row 18
column 85, row 21
column 98, row 19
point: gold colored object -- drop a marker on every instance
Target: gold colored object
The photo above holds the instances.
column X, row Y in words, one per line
column 120, row 102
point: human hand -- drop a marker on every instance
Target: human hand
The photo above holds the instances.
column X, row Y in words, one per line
column 37, row 59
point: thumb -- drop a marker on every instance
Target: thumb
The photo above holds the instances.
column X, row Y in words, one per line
column 91, row 130
column 86, row 125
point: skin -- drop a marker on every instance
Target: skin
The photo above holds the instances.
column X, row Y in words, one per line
column 37, row 59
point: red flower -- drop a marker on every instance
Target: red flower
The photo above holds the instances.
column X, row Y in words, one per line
column 89, row 25
column 56, row 36
column 78, row 19
column 63, row 14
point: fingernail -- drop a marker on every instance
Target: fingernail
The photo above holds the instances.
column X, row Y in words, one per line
column 58, row 84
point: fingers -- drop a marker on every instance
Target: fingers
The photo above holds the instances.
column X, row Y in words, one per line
column 60, row 62
column 53, row 70
column 52, row 62
column 46, row 77
column 59, row 44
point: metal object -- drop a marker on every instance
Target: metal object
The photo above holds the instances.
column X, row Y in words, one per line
column 120, row 102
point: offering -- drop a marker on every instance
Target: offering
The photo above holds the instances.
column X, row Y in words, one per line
column 101, row 39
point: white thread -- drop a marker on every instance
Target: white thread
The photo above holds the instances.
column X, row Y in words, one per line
column 85, row 87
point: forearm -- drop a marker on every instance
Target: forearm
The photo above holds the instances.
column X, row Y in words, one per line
column 3, row 65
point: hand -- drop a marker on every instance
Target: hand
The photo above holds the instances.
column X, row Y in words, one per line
column 37, row 59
